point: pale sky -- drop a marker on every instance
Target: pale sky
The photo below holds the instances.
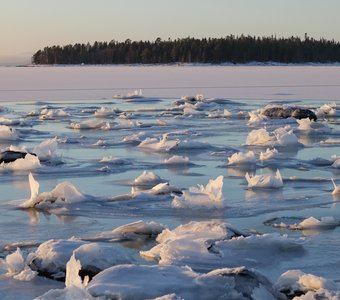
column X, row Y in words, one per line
column 29, row 25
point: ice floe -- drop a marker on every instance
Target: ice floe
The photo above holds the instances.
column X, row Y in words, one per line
column 265, row 180
column 163, row 144
column 313, row 127
column 24, row 161
column 8, row 133
column 177, row 160
column 208, row 244
column 46, row 150
column 209, row 196
column 310, row 223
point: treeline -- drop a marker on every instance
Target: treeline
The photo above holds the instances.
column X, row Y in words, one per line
column 233, row 49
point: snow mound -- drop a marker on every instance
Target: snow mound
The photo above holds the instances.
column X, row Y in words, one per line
column 209, row 196
column 265, row 180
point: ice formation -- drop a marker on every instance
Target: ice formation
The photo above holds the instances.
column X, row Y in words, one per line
column 336, row 190
column 163, row 144
column 259, row 137
column 177, row 160
column 242, row 158
column 46, row 150
column 148, row 282
column 91, row 124
column 8, row 133
column 299, row 285
column 27, row 163
column 147, row 178
column 105, row 112
column 265, row 180
column 52, row 256
column 210, row 196
column 310, row 223
column 269, row 154
column 16, row 267
column 63, row 193
column 312, row 126
column 52, row 113
column 115, row 160
column 208, row 244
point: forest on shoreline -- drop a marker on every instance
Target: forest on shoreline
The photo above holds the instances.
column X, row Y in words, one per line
column 231, row 49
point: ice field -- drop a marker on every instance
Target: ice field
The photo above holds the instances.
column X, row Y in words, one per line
column 169, row 182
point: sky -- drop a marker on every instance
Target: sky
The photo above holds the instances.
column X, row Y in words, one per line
column 29, row 25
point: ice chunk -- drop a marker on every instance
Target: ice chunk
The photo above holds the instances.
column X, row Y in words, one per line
column 265, row 180
column 336, row 190
column 147, row 178
column 242, row 158
column 27, row 163
column 105, row 112
column 177, row 160
column 115, row 160
column 46, row 149
column 210, row 196
column 91, row 124
column 63, row 193
column 269, row 154
column 312, row 126
column 259, row 137
column 163, row 144
column 8, row 133
column 299, row 284
column 148, row 282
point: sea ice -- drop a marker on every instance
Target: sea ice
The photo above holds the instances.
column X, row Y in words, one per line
column 269, row 154
column 177, row 160
column 28, row 163
column 8, row 133
column 163, row 144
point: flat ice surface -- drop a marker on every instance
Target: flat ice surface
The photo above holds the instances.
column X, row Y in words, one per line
column 40, row 104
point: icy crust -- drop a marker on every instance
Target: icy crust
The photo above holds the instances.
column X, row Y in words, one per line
column 265, row 180
column 282, row 136
column 305, row 224
column 148, row 282
column 51, row 257
column 28, row 163
column 63, row 193
column 115, row 160
column 209, row 244
column 242, row 158
column 209, row 196
column 8, row 133
column 296, row 284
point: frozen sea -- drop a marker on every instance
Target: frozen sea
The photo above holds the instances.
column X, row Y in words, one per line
column 99, row 135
